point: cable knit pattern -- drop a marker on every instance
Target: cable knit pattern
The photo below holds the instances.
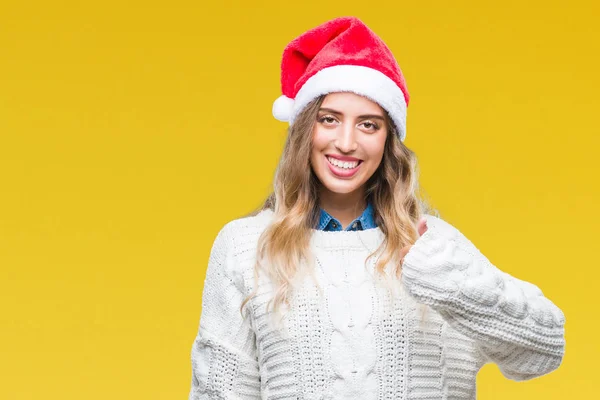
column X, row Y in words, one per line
column 510, row 320
column 356, row 340
column 224, row 352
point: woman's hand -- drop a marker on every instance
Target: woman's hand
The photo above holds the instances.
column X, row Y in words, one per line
column 421, row 228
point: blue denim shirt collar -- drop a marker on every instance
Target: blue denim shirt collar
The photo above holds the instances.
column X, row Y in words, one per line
column 365, row 221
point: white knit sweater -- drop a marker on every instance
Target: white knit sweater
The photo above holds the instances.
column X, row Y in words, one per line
column 354, row 341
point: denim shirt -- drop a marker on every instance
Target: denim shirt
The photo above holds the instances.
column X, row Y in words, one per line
column 365, row 221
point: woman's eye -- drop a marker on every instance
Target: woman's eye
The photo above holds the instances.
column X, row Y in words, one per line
column 328, row 120
column 370, row 125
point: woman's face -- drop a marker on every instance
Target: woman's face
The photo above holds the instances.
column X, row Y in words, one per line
column 348, row 141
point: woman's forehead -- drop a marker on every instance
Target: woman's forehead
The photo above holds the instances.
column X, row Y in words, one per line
column 351, row 103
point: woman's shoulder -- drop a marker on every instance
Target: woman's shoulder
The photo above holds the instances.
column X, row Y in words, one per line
column 249, row 224
column 235, row 246
column 242, row 233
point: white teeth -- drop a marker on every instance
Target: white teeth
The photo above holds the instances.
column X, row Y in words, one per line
column 343, row 164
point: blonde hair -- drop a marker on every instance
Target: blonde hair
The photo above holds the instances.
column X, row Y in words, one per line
column 392, row 189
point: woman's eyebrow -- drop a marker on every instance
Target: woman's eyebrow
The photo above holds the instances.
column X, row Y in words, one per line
column 331, row 111
column 371, row 116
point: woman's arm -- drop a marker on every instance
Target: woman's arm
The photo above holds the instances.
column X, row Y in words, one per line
column 224, row 360
column 514, row 325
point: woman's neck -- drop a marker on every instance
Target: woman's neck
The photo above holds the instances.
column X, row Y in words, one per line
column 345, row 207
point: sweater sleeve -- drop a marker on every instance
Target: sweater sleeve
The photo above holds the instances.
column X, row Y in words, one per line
column 224, row 357
column 511, row 321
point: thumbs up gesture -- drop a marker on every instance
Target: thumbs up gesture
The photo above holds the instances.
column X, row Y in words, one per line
column 421, row 228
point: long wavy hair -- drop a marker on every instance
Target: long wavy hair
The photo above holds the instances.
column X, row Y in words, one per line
column 393, row 189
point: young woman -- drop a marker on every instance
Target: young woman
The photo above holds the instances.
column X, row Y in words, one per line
column 344, row 285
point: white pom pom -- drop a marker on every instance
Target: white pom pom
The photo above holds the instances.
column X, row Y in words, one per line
column 282, row 108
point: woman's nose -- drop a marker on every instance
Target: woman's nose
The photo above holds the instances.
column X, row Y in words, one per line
column 346, row 138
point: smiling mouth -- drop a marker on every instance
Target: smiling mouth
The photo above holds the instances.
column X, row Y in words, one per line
column 345, row 165
column 344, row 172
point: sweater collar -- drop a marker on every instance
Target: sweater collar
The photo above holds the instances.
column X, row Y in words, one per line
column 365, row 221
column 335, row 240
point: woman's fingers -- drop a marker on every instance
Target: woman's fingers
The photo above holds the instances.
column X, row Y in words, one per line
column 422, row 226
column 421, row 229
column 403, row 252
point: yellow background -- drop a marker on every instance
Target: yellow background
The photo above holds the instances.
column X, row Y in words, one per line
column 130, row 132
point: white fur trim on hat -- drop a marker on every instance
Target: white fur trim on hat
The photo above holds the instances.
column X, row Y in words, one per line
column 282, row 108
column 364, row 81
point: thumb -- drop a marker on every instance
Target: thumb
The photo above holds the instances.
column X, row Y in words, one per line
column 422, row 226
column 403, row 252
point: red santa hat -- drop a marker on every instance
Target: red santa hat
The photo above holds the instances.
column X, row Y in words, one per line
column 341, row 55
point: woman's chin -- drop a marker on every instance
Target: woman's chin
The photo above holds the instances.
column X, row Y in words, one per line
column 341, row 187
